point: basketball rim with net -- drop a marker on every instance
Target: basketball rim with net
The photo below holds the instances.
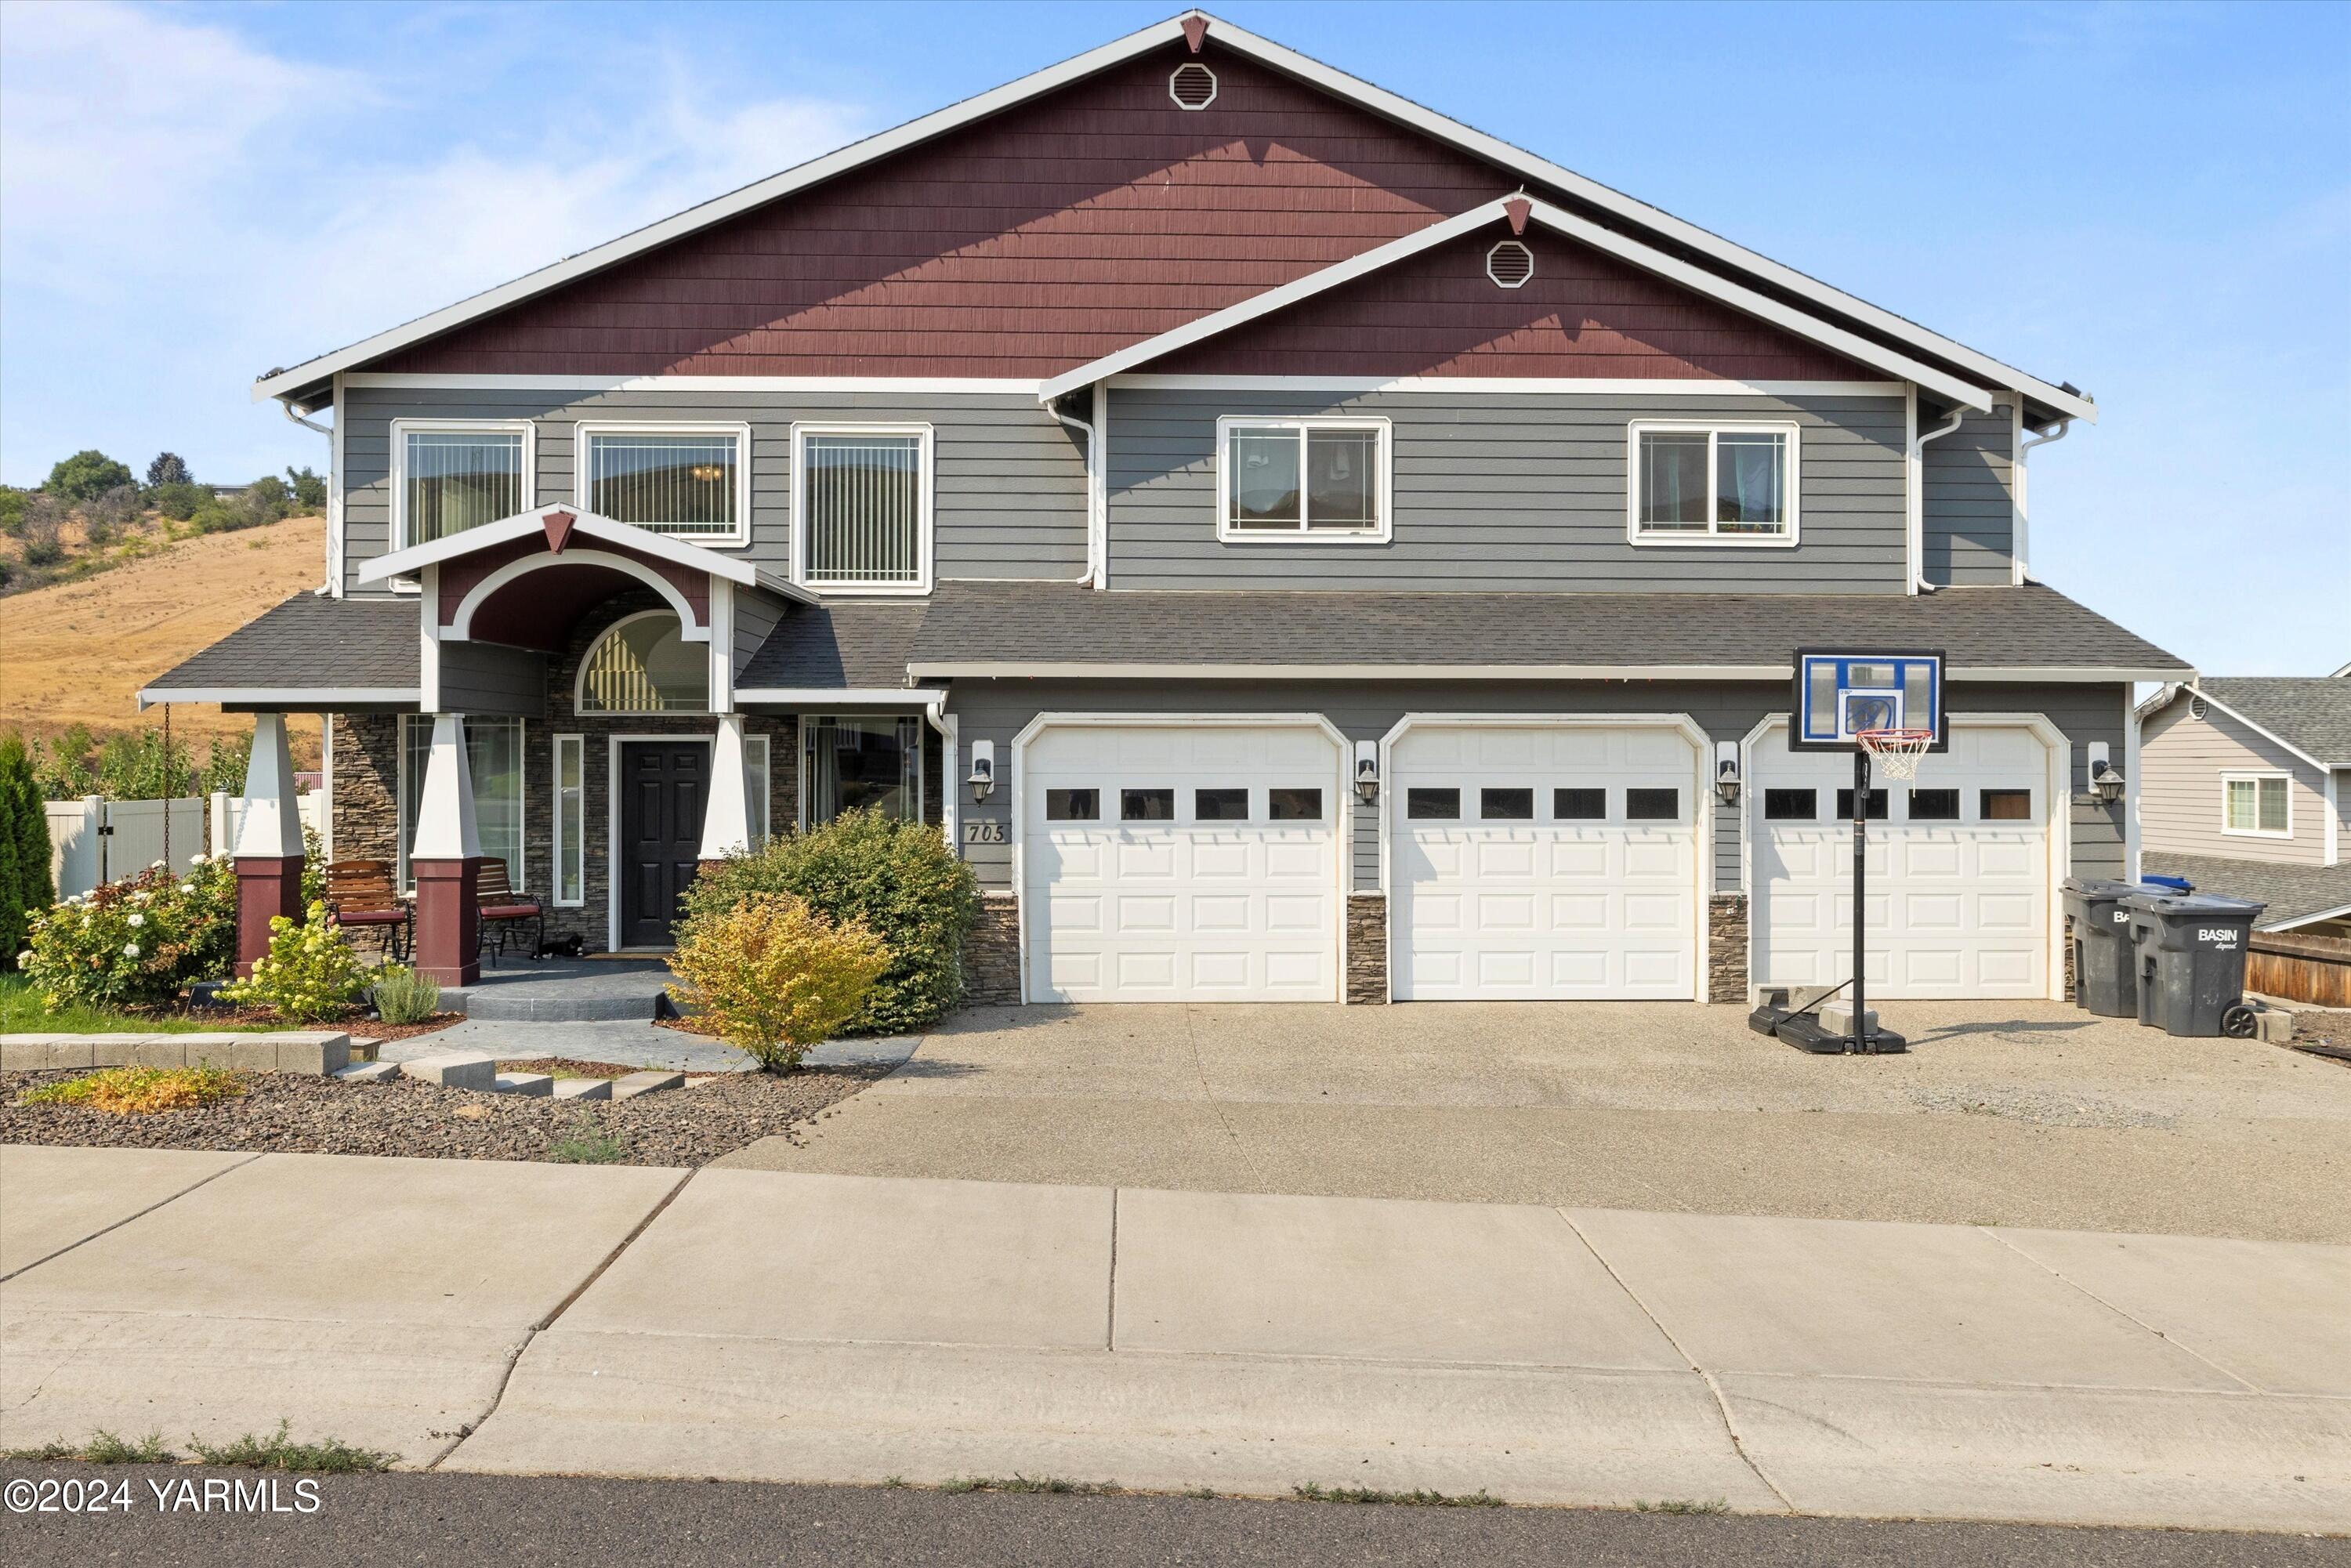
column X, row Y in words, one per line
column 1884, row 706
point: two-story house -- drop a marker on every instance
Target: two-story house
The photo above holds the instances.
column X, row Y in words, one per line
column 1296, row 544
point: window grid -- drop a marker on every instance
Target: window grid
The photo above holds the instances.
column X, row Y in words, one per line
column 453, row 480
column 2256, row 804
column 862, row 509
column 685, row 483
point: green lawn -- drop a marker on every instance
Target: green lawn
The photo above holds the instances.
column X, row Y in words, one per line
column 21, row 1013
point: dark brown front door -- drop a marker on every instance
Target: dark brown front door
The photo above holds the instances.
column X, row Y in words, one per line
column 663, row 789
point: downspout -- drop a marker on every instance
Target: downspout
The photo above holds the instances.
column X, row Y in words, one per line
column 950, row 764
column 1918, row 518
column 1096, row 523
column 2023, row 542
column 334, row 565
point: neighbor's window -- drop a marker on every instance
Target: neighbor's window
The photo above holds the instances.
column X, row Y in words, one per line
column 644, row 665
column 1713, row 484
column 2255, row 803
column 570, row 825
column 452, row 478
column 687, row 481
column 493, row 760
column 862, row 764
column 1319, row 477
column 865, row 507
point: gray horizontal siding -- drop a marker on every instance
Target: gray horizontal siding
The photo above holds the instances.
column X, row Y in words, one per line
column 2181, row 758
column 997, row 710
column 1504, row 491
column 1010, row 480
column 1968, row 483
column 484, row 677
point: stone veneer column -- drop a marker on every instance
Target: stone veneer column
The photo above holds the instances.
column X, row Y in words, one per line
column 365, row 797
column 269, row 849
column 1368, row 948
column 448, row 861
column 1726, row 939
column 991, row 954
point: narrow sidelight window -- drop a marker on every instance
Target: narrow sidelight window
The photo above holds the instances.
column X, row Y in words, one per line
column 1146, row 805
column 1294, row 805
column 570, row 826
column 1579, row 805
column 2006, row 806
column 865, row 507
column 1791, row 805
column 1730, row 484
column 1876, row 805
column 1506, row 805
column 1433, row 805
column 1072, row 805
column 1222, row 805
column 1652, row 805
column 1934, row 805
column 1320, row 477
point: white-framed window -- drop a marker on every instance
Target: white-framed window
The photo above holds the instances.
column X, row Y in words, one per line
column 860, row 762
column 1321, row 477
column 2257, row 805
column 451, row 475
column 1711, row 482
column 494, row 759
column 862, row 507
column 571, row 824
column 688, row 479
column 643, row 664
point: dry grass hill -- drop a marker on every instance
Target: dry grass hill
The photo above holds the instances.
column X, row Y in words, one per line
column 78, row 652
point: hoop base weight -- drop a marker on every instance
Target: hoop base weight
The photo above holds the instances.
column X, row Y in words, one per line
column 1802, row 1029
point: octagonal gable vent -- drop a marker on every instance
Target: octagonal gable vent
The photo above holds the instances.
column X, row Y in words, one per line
column 1510, row 263
column 1192, row 85
column 2196, row 707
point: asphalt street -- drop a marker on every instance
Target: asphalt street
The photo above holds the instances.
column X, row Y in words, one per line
column 361, row 1522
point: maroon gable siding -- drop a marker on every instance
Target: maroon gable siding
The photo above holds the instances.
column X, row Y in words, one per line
column 1053, row 234
column 1582, row 314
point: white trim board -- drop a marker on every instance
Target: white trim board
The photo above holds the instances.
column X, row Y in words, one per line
column 1030, row 670
column 833, row 696
column 1549, row 386
column 1221, row 36
column 258, row 697
column 472, row 380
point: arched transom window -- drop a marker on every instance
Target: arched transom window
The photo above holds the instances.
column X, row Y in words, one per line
column 644, row 665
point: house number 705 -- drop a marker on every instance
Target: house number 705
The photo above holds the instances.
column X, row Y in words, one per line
column 983, row 832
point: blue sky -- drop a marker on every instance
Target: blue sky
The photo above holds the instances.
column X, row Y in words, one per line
column 2153, row 203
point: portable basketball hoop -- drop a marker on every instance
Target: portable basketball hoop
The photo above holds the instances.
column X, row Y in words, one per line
column 1896, row 751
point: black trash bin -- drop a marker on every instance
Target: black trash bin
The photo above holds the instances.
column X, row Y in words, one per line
column 2105, row 958
column 2191, row 962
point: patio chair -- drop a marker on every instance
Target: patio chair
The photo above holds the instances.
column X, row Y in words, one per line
column 502, row 907
column 360, row 893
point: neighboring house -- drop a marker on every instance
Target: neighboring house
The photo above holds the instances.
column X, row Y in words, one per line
column 2245, row 790
column 1170, row 437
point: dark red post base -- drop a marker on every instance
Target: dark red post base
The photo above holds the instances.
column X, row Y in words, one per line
column 266, row 885
column 448, row 921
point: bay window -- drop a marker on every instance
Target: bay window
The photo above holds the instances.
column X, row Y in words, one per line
column 1712, row 484
column 1320, row 477
column 450, row 476
column 862, row 507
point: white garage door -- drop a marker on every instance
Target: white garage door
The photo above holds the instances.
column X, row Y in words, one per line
column 1543, row 863
column 1181, row 863
column 1958, row 883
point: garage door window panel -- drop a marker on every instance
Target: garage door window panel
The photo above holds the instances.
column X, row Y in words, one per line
column 1506, row 805
column 1220, row 805
column 1294, row 805
column 1072, row 805
column 1433, row 805
column 1934, row 805
column 1877, row 805
column 1652, row 805
column 1146, row 805
column 1579, row 805
column 1791, row 805
column 2005, row 806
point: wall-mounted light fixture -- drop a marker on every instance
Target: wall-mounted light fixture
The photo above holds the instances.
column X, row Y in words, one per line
column 2105, row 783
column 982, row 770
column 1367, row 770
column 1726, row 771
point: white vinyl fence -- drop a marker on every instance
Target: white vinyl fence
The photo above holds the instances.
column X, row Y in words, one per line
column 94, row 840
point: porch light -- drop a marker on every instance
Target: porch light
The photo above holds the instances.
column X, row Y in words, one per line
column 2105, row 783
column 1367, row 770
column 983, row 771
column 1726, row 771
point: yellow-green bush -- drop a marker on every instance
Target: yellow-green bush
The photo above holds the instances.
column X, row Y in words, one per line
column 772, row 977
column 311, row 973
column 142, row 1091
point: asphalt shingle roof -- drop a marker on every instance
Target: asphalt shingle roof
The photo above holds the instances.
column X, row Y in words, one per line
column 836, row 645
column 2312, row 713
column 1983, row 628
column 310, row 641
column 2293, row 892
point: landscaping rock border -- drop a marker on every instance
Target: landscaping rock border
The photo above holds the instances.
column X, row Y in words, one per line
column 315, row 1052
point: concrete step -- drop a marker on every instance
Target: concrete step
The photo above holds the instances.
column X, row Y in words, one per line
column 532, row 1083
column 456, row 1069
column 368, row 1073
column 583, row 1088
column 646, row 1083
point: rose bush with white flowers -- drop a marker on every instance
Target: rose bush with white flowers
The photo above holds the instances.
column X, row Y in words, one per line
column 138, row 942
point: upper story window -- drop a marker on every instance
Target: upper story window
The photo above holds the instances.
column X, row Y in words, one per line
column 1728, row 483
column 689, row 480
column 2256, row 803
column 1302, row 478
column 862, row 506
column 449, row 476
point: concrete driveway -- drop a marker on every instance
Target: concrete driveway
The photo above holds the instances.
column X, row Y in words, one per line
column 2016, row 1114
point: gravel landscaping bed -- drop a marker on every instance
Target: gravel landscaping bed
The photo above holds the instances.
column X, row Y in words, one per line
column 293, row 1112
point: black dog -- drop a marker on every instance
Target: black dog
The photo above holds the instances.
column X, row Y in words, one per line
column 569, row 944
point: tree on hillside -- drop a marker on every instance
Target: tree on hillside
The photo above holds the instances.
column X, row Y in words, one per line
column 24, row 884
column 86, row 475
column 168, row 469
column 310, row 490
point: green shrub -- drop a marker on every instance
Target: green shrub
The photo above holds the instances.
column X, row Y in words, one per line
column 137, row 942
column 179, row 499
column 311, row 973
column 403, row 996
column 309, row 491
column 25, row 886
column 12, row 510
column 900, row 879
column 86, row 475
column 772, row 977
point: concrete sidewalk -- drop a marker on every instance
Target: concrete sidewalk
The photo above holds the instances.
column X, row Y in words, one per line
column 511, row 1318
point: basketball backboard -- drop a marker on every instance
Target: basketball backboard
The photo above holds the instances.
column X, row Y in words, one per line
column 1840, row 692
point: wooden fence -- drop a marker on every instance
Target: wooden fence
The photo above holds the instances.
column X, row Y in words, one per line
column 2313, row 970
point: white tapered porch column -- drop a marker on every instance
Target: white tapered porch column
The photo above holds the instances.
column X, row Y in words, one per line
column 448, row 858
column 726, row 821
